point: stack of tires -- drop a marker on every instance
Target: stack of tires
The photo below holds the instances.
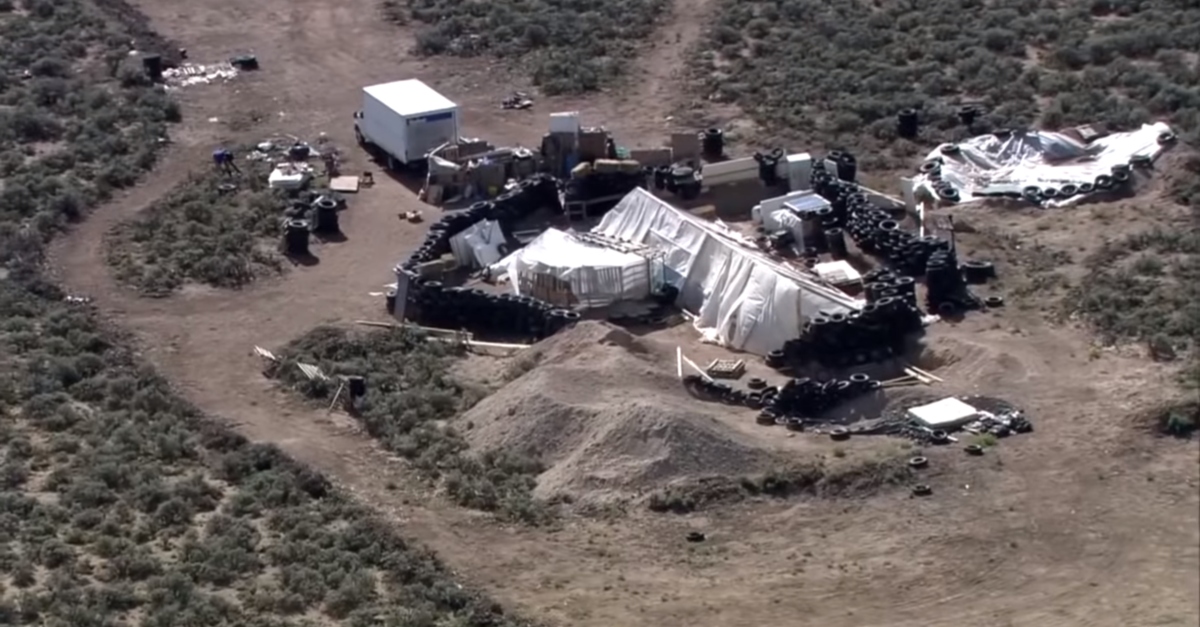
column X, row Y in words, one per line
column 508, row 316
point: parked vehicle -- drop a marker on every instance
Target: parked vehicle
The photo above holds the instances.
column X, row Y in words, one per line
column 404, row 120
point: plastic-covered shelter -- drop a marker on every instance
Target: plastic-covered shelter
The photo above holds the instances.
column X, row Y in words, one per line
column 583, row 269
column 743, row 299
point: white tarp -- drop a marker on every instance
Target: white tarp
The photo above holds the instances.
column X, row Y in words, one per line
column 742, row 298
column 598, row 276
column 991, row 165
column 479, row 245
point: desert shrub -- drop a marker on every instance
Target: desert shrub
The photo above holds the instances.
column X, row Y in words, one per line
column 105, row 471
column 411, row 393
column 201, row 233
column 565, row 46
column 1146, row 287
column 127, row 498
column 852, row 477
column 68, row 140
column 834, row 75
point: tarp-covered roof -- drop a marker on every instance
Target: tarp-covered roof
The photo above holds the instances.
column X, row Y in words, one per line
column 743, row 298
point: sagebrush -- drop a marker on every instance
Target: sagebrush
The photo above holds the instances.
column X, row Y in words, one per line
column 212, row 229
column 119, row 502
column 565, row 46
column 411, row 396
column 835, row 75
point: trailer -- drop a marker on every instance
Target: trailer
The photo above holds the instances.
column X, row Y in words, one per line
column 403, row 120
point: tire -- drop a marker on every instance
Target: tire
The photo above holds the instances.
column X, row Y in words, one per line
column 922, row 489
column 951, row 149
column 973, row 449
column 918, row 462
column 839, row 434
column 993, row 302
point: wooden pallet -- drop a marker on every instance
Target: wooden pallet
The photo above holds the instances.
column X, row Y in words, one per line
column 726, row 368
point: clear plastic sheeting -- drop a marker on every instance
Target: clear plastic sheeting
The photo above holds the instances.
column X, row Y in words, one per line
column 598, row 276
column 478, row 246
column 743, row 299
column 998, row 165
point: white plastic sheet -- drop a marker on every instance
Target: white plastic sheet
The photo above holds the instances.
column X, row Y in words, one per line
column 743, row 299
column 990, row 165
column 479, row 245
column 597, row 275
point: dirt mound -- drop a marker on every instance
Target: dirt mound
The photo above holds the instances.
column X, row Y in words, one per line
column 604, row 412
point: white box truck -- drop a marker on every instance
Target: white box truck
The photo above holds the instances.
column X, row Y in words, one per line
column 404, row 120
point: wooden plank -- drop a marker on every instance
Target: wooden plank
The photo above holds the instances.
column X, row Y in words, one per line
column 336, row 396
column 393, row 325
column 927, row 374
column 344, row 184
column 693, row 366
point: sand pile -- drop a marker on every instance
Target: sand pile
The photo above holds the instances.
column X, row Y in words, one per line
column 604, row 411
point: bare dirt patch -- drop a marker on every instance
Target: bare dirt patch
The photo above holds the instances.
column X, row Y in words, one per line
column 604, row 411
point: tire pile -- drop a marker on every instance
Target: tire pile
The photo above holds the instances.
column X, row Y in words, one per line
column 795, row 404
column 892, row 314
column 840, row 340
column 506, row 316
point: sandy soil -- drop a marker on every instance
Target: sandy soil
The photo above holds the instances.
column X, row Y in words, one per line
column 1086, row 521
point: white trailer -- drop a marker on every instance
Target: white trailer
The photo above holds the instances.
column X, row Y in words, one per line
column 405, row 120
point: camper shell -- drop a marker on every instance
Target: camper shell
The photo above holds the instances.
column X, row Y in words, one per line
column 405, row 120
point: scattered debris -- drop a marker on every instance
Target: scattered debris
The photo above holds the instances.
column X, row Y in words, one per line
column 312, row 372
column 189, row 74
column 696, row 536
column 518, row 100
column 345, row 184
column 726, row 368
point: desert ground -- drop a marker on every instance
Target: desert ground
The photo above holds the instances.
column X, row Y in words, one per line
column 1092, row 519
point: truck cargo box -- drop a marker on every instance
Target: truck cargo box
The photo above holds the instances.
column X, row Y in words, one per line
column 406, row 119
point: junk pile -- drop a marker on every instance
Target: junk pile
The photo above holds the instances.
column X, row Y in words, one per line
column 472, row 168
column 597, row 180
column 796, row 404
column 937, row 422
column 430, row 303
column 682, row 179
column 876, row 232
column 518, row 100
column 189, row 74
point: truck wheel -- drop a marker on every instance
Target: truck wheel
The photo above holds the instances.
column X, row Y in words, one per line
column 358, row 136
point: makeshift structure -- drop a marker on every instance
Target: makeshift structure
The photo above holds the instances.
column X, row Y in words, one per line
column 581, row 269
column 1011, row 163
column 742, row 298
column 479, row 245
